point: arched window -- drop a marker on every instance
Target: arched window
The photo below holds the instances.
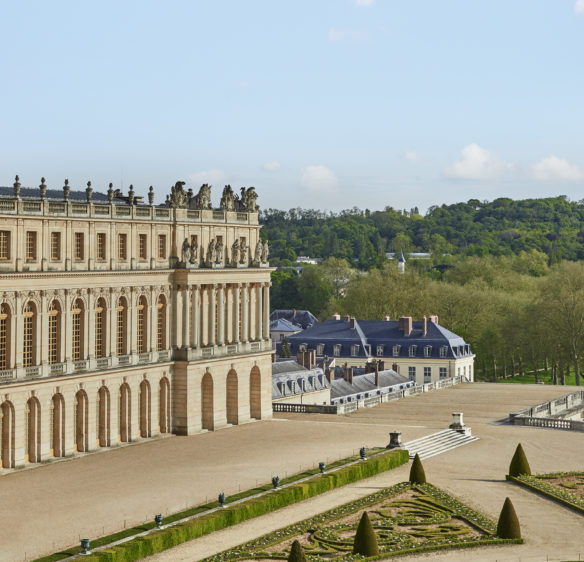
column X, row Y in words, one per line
column 54, row 332
column 78, row 317
column 141, row 331
column 29, row 335
column 100, row 328
column 4, row 336
column 161, row 323
column 122, row 326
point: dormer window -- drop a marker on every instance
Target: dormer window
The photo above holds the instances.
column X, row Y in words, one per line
column 379, row 350
column 354, row 350
column 395, row 350
column 302, row 347
column 412, row 350
column 427, row 351
column 337, row 349
column 443, row 350
column 320, row 348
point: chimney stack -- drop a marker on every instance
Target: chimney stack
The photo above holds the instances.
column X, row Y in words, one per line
column 349, row 374
column 405, row 325
column 352, row 322
column 424, row 326
column 376, row 375
column 346, row 318
column 433, row 318
column 395, row 367
column 387, row 318
column 336, row 316
column 381, row 365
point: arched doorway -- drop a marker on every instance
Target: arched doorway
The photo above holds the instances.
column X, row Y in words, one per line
column 232, row 398
column 81, row 421
column 7, row 413
column 103, row 417
column 58, row 426
column 207, row 402
column 145, row 418
column 164, row 403
column 33, row 426
column 255, row 394
column 125, row 413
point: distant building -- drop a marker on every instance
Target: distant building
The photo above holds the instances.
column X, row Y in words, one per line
column 299, row 384
column 309, row 260
column 401, row 263
column 410, row 255
column 422, row 351
column 282, row 328
column 301, row 318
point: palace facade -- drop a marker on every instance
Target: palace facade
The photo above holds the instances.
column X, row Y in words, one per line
column 121, row 320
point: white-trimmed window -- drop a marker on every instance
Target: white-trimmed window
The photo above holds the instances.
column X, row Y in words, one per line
column 302, row 347
column 427, row 351
column 320, row 348
column 427, row 374
column 380, row 350
column 100, row 246
column 443, row 350
column 31, row 245
column 412, row 350
column 122, row 246
column 4, row 244
column 412, row 373
column 443, row 372
column 142, row 246
column 55, row 246
column 395, row 350
column 78, row 246
column 337, row 349
column 162, row 246
column 354, row 350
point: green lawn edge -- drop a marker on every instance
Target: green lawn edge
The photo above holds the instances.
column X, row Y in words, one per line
column 547, row 490
column 231, row 515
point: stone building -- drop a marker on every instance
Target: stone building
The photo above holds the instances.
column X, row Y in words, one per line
column 120, row 320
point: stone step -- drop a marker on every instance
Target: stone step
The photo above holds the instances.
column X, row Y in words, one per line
column 437, row 443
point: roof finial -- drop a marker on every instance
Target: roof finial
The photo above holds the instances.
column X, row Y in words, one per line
column 16, row 185
column 88, row 191
column 43, row 189
column 131, row 195
column 66, row 190
column 151, row 196
column 110, row 192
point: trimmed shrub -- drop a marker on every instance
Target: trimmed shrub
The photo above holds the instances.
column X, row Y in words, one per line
column 508, row 525
column 296, row 553
column 365, row 538
column 417, row 474
column 519, row 464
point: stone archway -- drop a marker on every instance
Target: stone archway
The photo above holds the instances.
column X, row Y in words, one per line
column 232, row 398
column 207, row 413
column 255, row 394
column 7, row 411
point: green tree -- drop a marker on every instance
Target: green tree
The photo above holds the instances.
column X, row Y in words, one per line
column 519, row 464
column 365, row 538
column 417, row 474
column 296, row 553
column 285, row 349
column 508, row 525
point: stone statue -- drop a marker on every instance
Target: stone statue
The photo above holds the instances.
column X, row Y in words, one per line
column 227, row 199
column 178, row 196
column 243, row 250
column 219, row 252
column 258, row 252
column 235, row 253
column 202, row 200
column 211, row 252
column 265, row 252
column 186, row 251
column 194, row 251
column 251, row 198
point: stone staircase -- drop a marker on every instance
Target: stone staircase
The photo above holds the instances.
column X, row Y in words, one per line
column 437, row 443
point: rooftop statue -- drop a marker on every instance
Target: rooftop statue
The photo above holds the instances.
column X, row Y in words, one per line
column 227, row 199
column 202, row 200
column 178, row 196
column 247, row 201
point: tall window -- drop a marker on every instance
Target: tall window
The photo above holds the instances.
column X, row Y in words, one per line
column 4, row 336
column 412, row 373
column 443, row 373
column 162, row 246
column 55, row 246
column 100, row 331
column 54, row 332
column 28, row 351
column 141, row 327
column 31, row 245
column 122, row 324
column 122, row 246
column 77, row 349
column 4, row 244
column 161, row 323
column 354, row 350
column 78, row 252
column 142, row 246
column 100, row 253
column 427, row 374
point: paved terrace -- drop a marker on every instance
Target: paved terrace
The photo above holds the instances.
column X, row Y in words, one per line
column 51, row 506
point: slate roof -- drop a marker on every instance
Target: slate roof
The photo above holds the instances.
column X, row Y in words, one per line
column 303, row 318
column 364, row 386
column 57, row 194
column 290, row 378
column 283, row 325
column 368, row 334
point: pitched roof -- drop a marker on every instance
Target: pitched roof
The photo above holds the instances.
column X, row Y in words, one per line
column 283, row 325
column 366, row 384
column 303, row 318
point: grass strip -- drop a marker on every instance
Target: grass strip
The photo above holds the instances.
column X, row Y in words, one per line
column 233, row 514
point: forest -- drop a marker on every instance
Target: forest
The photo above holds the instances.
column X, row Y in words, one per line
column 506, row 276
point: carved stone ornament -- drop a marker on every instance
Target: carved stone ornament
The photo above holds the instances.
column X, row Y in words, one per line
column 247, row 201
column 265, row 252
column 227, row 199
column 43, row 189
column 151, row 196
column 186, row 251
column 219, row 252
column 194, row 252
column 178, row 197
column 16, row 186
column 202, row 200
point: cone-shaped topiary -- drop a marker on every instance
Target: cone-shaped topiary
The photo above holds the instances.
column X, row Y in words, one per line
column 519, row 464
column 365, row 538
column 508, row 525
column 417, row 474
column 296, row 553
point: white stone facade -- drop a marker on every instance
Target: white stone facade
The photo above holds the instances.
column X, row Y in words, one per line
column 108, row 334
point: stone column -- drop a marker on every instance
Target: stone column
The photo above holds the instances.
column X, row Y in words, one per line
column 211, row 311
column 236, row 296
column 68, row 325
column 196, row 317
column 90, row 326
column 112, row 348
column 221, row 314
column 204, row 333
column 266, row 311
column 43, row 331
column 186, row 320
column 258, row 312
column 132, row 323
column 245, row 320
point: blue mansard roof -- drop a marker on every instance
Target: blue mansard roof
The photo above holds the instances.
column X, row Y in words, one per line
column 438, row 342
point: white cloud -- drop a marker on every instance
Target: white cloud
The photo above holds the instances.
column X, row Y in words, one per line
column 554, row 168
column 363, row 2
column 335, row 35
column 318, row 178
column 272, row 166
column 579, row 7
column 478, row 163
column 207, row 176
column 244, row 84
column 411, row 156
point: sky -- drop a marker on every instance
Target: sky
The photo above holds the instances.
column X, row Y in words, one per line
column 325, row 104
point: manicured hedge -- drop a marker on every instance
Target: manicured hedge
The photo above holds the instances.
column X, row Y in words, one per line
column 231, row 515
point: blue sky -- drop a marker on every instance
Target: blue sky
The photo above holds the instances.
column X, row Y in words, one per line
column 322, row 104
